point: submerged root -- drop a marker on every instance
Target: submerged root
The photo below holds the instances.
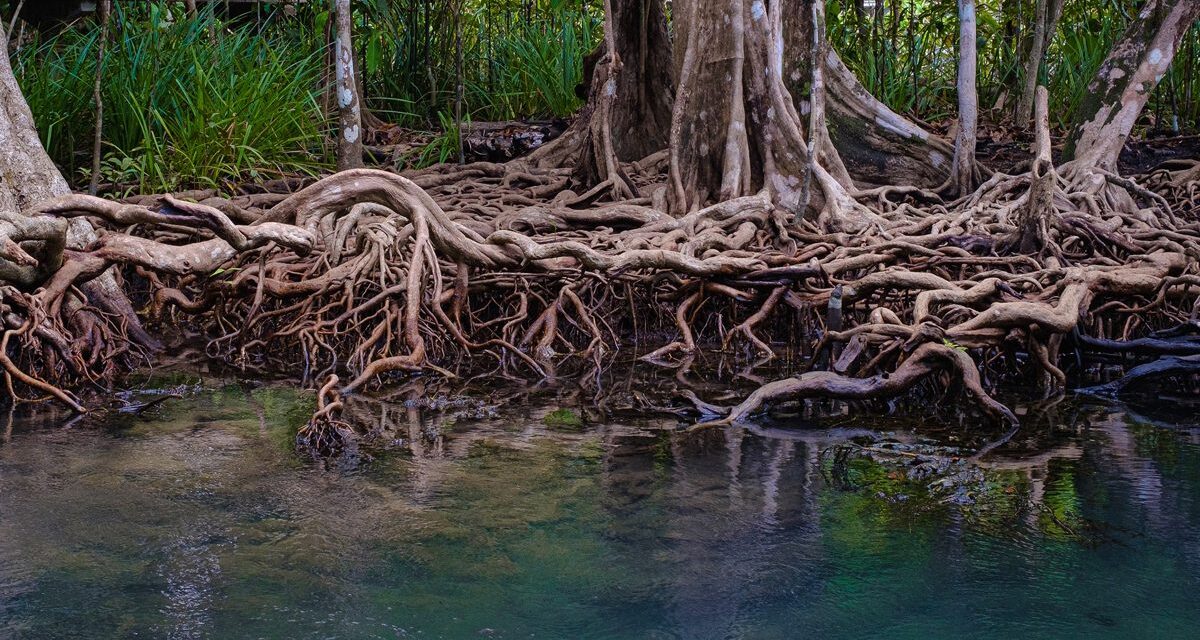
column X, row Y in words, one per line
column 326, row 435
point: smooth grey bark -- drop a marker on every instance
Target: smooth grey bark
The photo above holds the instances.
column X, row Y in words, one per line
column 1045, row 23
column 349, row 131
column 964, row 172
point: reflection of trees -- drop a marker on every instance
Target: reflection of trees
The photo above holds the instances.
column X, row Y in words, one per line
column 731, row 521
column 710, row 528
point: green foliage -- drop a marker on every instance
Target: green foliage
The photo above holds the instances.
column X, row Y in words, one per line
column 204, row 102
column 563, row 419
column 953, row 345
column 907, row 54
column 186, row 102
column 445, row 146
column 518, row 58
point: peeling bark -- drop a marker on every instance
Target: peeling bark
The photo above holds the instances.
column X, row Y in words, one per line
column 1124, row 82
column 349, row 132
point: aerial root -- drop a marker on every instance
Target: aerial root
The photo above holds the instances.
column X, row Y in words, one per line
column 1165, row 366
column 370, row 275
column 325, row 435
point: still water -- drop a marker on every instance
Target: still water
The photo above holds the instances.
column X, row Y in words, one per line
column 197, row 520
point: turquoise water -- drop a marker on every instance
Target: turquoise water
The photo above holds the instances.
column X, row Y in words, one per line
column 198, row 521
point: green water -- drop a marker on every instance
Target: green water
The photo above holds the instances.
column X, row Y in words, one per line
column 199, row 521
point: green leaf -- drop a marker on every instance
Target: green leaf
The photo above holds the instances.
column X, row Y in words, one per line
column 953, row 345
column 374, row 54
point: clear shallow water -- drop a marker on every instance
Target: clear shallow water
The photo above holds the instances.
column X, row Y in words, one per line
column 200, row 522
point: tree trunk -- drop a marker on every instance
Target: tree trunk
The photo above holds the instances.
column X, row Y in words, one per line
column 1045, row 23
column 743, row 69
column 31, row 249
column 97, row 97
column 735, row 129
column 349, row 133
column 1035, row 218
column 965, row 173
column 630, row 93
column 878, row 145
column 1133, row 68
column 29, row 176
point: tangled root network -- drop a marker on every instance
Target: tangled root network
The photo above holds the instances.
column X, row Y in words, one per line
column 370, row 275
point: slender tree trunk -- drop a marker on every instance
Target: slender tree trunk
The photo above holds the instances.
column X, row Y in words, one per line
column 965, row 172
column 1124, row 82
column 458, row 78
column 349, row 133
column 98, row 98
column 1034, row 219
column 1045, row 23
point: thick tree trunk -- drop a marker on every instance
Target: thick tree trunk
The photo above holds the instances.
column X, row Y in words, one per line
column 29, row 176
column 1133, row 68
column 628, row 111
column 744, row 74
column 349, row 132
column 32, row 249
column 735, row 129
column 878, row 145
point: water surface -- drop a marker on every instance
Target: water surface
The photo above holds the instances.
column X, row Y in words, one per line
column 199, row 521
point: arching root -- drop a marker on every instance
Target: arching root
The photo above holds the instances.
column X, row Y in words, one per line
column 325, row 435
column 925, row 360
column 370, row 275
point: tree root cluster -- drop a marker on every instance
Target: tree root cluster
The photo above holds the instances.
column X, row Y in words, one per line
column 366, row 276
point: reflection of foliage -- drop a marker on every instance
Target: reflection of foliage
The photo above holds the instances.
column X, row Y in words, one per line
column 1156, row 443
column 901, row 484
column 1061, row 508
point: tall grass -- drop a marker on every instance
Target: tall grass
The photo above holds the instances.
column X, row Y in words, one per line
column 186, row 102
column 204, row 102
column 519, row 57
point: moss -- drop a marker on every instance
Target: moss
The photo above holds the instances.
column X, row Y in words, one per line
column 563, row 419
